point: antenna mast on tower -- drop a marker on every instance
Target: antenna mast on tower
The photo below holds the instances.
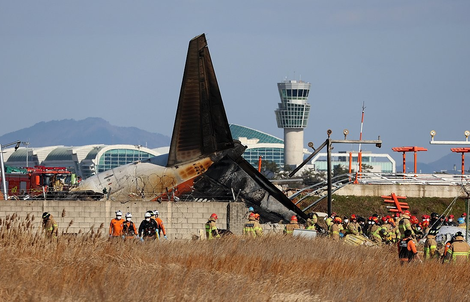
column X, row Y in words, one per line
column 359, row 155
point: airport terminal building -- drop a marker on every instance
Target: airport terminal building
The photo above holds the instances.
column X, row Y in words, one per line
column 85, row 161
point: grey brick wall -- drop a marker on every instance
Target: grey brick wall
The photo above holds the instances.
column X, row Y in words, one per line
column 182, row 220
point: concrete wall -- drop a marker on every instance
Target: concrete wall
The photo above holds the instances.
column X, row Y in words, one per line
column 182, row 220
column 408, row 190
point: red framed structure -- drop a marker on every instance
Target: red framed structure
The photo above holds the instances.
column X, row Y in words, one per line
column 409, row 149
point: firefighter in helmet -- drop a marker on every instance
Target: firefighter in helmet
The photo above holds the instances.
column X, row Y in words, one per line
column 336, row 228
column 458, row 251
column 249, row 227
column 430, row 245
column 115, row 227
column 49, row 225
column 211, row 228
column 147, row 228
column 294, row 224
column 129, row 231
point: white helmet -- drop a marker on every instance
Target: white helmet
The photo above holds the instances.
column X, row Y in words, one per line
column 119, row 213
column 155, row 212
column 147, row 215
column 128, row 215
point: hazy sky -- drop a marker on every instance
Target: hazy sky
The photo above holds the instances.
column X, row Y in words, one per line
column 409, row 61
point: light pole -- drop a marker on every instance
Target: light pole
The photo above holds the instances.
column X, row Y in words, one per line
column 4, row 183
column 466, row 142
column 27, row 153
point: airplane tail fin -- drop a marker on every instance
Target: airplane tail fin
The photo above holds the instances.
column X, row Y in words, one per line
column 201, row 125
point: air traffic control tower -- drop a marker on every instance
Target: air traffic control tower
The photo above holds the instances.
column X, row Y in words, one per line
column 292, row 115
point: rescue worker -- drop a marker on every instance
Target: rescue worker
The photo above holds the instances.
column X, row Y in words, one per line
column 405, row 224
column 147, row 228
column 461, row 223
column 258, row 228
column 362, row 224
column 329, row 220
column 450, row 221
column 416, row 227
column 407, row 251
column 312, row 220
column 294, row 224
column 51, row 229
column 353, row 226
column 247, row 214
column 425, row 224
column 160, row 227
column 430, row 246
column 115, row 227
column 211, row 227
column 386, row 231
column 394, row 231
column 249, row 226
column 376, row 231
column 155, row 223
column 129, row 231
column 459, row 250
column 336, row 228
column 434, row 218
column 436, row 221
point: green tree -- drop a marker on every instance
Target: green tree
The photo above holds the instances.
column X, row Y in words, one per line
column 269, row 169
column 366, row 168
column 339, row 170
column 311, row 177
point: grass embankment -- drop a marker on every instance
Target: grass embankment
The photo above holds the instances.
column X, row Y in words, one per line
column 366, row 206
column 88, row 267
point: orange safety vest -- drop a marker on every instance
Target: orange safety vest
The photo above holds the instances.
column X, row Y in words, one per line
column 115, row 227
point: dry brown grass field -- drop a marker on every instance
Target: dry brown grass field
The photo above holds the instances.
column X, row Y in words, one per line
column 89, row 267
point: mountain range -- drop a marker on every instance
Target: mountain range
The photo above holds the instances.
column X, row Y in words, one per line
column 89, row 131
column 94, row 130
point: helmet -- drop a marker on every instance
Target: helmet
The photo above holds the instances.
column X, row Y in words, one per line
column 251, row 216
column 458, row 234
column 155, row 212
column 214, row 215
column 118, row 213
column 414, row 220
column 384, row 219
column 128, row 215
column 461, row 220
column 293, row 218
column 46, row 215
column 147, row 215
column 150, row 212
column 256, row 216
column 407, row 213
column 251, row 209
column 391, row 220
column 451, row 216
column 464, row 214
column 433, row 232
column 375, row 219
column 434, row 215
column 353, row 217
column 338, row 219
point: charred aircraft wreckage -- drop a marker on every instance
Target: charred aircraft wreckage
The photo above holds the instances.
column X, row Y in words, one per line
column 204, row 160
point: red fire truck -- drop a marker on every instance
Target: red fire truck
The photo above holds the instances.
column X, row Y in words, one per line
column 32, row 182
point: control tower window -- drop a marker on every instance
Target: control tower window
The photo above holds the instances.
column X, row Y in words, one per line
column 294, row 92
column 289, row 93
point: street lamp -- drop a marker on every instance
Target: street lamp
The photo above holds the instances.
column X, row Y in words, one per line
column 4, row 183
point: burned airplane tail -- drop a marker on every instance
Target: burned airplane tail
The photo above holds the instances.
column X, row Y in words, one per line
column 201, row 130
column 201, row 125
